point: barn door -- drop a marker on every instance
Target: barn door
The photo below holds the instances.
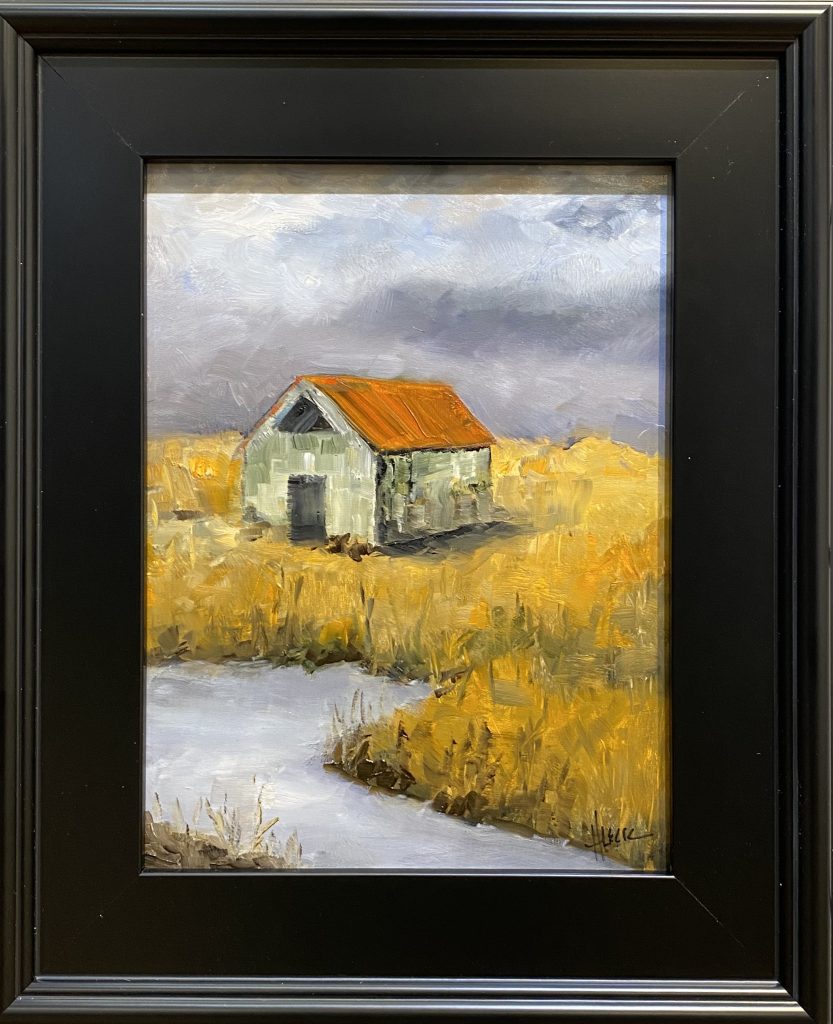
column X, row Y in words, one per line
column 305, row 507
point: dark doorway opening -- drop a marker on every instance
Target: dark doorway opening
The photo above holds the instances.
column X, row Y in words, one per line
column 305, row 508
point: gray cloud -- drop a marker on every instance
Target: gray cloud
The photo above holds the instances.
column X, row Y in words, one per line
column 545, row 311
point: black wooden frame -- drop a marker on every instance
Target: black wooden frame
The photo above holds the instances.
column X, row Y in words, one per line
column 89, row 92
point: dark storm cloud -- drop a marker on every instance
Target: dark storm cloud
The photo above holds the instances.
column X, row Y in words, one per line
column 482, row 322
column 545, row 311
column 601, row 216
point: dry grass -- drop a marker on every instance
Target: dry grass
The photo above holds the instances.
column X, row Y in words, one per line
column 193, row 475
column 542, row 636
column 507, row 744
column 236, row 844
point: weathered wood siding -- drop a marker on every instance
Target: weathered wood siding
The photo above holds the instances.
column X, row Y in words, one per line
column 427, row 492
column 345, row 460
column 378, row 497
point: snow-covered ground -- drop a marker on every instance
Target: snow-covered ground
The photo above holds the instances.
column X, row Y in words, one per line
column 230, row 732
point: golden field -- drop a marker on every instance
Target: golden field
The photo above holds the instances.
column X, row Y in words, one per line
column 540, row 635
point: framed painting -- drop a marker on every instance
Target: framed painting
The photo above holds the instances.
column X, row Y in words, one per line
column 471, row 616
column 417, row 512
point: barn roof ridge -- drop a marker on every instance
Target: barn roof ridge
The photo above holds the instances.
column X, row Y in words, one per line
column 395, row 414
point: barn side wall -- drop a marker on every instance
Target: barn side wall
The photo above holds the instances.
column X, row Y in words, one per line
column 344, row 459
column 427, row 492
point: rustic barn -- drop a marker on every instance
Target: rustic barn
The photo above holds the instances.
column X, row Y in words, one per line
column 383, row 460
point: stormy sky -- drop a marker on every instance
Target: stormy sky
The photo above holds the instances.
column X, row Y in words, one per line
column 539, row 293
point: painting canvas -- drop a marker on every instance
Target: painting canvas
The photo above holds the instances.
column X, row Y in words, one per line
column 406, row 518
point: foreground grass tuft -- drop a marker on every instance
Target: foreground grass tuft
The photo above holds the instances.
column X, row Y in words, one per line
column 236, row 845
column 168, row 849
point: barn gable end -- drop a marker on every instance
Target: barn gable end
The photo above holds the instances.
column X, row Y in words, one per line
column 332, row 449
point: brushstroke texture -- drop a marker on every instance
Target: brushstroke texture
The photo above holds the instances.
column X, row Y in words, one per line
column 558, row 299
column 270, row 749
column 501, row 597
column 542, row 637
column 386, row 461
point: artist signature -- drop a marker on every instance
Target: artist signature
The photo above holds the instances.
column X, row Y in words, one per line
column 603, row 837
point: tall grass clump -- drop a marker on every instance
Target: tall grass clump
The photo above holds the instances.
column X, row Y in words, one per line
column 236, row 844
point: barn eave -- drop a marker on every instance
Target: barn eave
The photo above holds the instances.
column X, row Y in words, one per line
column 429, row 448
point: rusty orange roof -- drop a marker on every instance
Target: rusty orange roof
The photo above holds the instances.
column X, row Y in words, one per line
column 403, row 415
column 399, row 415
